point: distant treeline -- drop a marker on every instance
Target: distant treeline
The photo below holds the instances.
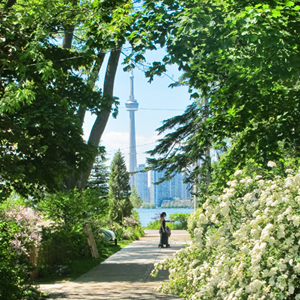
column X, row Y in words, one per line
column 170, row 204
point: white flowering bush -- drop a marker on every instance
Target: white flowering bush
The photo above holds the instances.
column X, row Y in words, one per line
column 247, row 243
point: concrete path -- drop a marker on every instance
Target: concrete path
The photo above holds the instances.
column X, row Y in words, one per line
column 124, row 275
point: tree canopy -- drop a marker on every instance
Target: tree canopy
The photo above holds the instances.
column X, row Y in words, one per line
column 243, row 56
column 50, row 58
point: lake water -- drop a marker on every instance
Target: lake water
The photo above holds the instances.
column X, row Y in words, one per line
column 147, row 215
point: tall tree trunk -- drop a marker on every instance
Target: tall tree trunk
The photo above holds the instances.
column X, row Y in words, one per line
column 91, row 82
column 69, row 33
column 68, row 37
column 67, row 44
column 102, row 118
column 100, row 123
column 9, row 3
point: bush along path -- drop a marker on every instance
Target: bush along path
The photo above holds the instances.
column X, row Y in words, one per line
column 124, row 275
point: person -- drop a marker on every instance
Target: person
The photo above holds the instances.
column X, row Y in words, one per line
column 164, row 234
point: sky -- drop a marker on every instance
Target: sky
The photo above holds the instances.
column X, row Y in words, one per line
column 157, row 102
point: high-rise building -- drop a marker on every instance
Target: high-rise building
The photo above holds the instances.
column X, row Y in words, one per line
column 186, row 191
column 176, row 186
column 179, row 189
column 150, row 192
column 141, row 183
column 132, row 106
column 158, row 192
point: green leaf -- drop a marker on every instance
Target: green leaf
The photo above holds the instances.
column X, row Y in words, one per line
column 289, row 3
column 276, row 13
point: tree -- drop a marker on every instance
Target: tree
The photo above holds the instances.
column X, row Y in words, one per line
column 119, row 189
column 46, row 89
column 105, row 31
column 135, row 198
column 99, row 175
column 244, row 57
column 39, row 92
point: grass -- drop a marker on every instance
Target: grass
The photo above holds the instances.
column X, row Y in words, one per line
column 81, row 266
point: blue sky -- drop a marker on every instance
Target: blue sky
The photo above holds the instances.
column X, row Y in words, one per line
column 157, row 102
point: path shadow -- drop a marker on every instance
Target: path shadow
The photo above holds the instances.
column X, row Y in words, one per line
column 125, row 272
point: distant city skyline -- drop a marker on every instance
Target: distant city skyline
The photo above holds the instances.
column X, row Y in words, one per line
column 151, row 193
column 157, row 102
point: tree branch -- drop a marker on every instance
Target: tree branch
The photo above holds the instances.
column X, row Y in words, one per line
column 103, row 116
column 91, row 83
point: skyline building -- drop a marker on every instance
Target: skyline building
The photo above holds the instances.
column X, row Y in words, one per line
column 132, row 106
column 167, row 190
column 176, row 187
column 141, row 183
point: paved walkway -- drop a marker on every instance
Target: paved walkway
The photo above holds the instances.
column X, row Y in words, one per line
column 124, row 275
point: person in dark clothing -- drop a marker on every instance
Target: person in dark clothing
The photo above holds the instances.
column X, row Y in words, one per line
column 164, row 235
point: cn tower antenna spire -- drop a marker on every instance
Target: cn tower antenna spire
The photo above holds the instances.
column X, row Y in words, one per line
column 131, row 97
column 132, row 106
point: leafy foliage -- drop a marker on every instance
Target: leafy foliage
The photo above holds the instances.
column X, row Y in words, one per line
column 180, row 220
column 40, row 93
column 46, row 89
column 148, row 205
column 243, row 56
column 61, row 245
column 74, row 208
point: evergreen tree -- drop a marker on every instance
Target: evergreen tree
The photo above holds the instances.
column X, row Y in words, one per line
column 135, row 198
column 99, row 175
column 119, row 189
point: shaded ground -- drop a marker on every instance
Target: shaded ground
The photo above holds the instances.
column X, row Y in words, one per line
column 124, row 275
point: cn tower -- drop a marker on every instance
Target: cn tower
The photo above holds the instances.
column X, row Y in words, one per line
column 132, row 106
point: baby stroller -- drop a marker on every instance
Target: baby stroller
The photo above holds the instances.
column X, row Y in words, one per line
column 164, row 237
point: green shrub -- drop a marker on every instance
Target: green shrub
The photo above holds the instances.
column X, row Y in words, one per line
column 18, row 235
column 118, row 229
column 12, row 276
column 134, row 233
column 154, row 225
column 133, row 229
column 74, row 208
column 60, row 246
column 180, row 220
column 65, row 241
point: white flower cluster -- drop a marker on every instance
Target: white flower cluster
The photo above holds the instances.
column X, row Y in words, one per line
column 247, row 244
